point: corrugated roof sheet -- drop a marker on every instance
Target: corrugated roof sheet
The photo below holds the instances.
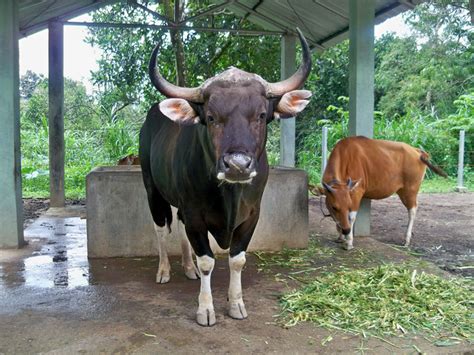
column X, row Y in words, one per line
column 323, row 22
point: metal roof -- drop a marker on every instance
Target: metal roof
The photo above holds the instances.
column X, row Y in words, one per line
column 323, row 22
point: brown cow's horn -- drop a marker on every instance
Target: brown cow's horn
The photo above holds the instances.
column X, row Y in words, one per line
column 168, row 89
column 328, row 188
column 297, row 80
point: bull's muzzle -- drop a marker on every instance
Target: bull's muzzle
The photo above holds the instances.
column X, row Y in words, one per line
column 236, row 167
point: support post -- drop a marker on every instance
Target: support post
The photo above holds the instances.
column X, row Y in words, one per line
column 11, row 208
column 287, row 125
column 56, row 114
column 460, row 187
column 361, row 84
column 324, row 150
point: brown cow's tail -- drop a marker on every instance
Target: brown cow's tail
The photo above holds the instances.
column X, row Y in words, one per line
column 425, row 158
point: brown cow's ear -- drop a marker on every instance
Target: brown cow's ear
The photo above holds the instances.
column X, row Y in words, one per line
column 179, row 111
column 292, row 103
column 352, row 184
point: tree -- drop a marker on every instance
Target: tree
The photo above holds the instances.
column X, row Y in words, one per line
column 29, row 82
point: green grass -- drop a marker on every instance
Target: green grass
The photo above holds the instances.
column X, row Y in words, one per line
column 439, row 184
column 385, row 300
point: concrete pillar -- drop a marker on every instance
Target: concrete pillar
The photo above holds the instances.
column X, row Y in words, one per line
column 11, row 208
column 287, row 126
column 361, row 84
column 56, row 114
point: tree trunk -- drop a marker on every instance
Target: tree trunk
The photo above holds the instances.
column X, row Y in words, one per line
column 176, row 39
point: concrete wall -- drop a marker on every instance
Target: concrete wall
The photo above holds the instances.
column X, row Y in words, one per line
column 119, row 222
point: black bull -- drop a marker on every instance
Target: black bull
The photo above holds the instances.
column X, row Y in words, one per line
column 203, row 151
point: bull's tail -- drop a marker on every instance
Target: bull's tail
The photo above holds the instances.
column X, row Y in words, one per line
column 425, row 158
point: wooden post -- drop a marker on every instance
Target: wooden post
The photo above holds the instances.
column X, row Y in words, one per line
column 56, row 114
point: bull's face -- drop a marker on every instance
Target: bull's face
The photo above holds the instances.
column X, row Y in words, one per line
column 235, row 106
column 341, row 204
column 236, row 120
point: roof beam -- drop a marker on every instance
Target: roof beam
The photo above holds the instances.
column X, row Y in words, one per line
column 275, row 23
column 336, row 36
column 134, row 3
column 209, row 11
column 28, row 30
column 171, row 27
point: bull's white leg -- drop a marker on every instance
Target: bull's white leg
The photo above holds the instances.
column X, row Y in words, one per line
column 205, row 314
column 411, row 220
column 163, row 274
column 236, row 303
column 350, row 236
column 190, row 270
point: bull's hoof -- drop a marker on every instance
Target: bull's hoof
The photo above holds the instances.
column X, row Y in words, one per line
column 237, row 310
column 192, row 272
column 348, row 247
column 340, row 239
column 206, row 317
column 163, row 276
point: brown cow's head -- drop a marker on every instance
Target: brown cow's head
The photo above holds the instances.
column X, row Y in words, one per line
column 235, row 106
column 340, row 202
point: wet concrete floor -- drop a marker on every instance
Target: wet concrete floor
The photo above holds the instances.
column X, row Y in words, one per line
column 54, row 300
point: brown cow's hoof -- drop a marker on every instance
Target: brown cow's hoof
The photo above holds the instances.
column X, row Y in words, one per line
column 340, row 240
column 206, row 317
column 163, row 274
column 237, row 310
column 348, row 247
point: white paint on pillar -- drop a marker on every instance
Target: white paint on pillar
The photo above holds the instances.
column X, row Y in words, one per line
column 11, row 209
column 361, row 84
column 287, row 126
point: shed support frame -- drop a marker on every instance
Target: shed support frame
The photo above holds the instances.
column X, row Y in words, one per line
column 56, row 113
column 361, row 84
column 11, row 208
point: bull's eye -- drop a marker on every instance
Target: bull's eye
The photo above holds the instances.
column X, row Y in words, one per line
column 262, row 116
column 210, row 119
column 335, row 209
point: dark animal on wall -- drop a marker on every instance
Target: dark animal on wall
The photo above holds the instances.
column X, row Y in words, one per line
column 359, row 167
column 202, row 150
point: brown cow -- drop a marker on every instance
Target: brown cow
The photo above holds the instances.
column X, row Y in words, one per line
column 359, row 167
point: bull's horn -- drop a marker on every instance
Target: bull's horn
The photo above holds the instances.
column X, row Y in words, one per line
column 297, row 80
column 168, row 89
column 328, row 187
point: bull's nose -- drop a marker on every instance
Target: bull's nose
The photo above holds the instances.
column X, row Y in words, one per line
column 239, row 162
column 346, row 231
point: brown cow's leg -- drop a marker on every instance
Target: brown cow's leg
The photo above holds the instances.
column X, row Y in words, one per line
column 409, row 199
column 350, row 237
column 163, row 274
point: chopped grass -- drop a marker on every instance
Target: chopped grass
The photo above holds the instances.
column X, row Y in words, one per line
column 294, row 258
column 386, row 300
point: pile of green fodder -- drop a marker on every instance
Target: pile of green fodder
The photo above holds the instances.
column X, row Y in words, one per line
column 386, row 300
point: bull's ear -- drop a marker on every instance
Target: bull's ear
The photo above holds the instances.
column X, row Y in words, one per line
column 179, row 111
column 292, row 103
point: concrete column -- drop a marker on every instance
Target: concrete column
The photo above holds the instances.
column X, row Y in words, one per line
column 56, row 114
column 361, row 84
column 287, row 126
column 11, row 208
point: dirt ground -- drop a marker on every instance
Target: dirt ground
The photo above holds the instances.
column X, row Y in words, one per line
column 443, row 232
